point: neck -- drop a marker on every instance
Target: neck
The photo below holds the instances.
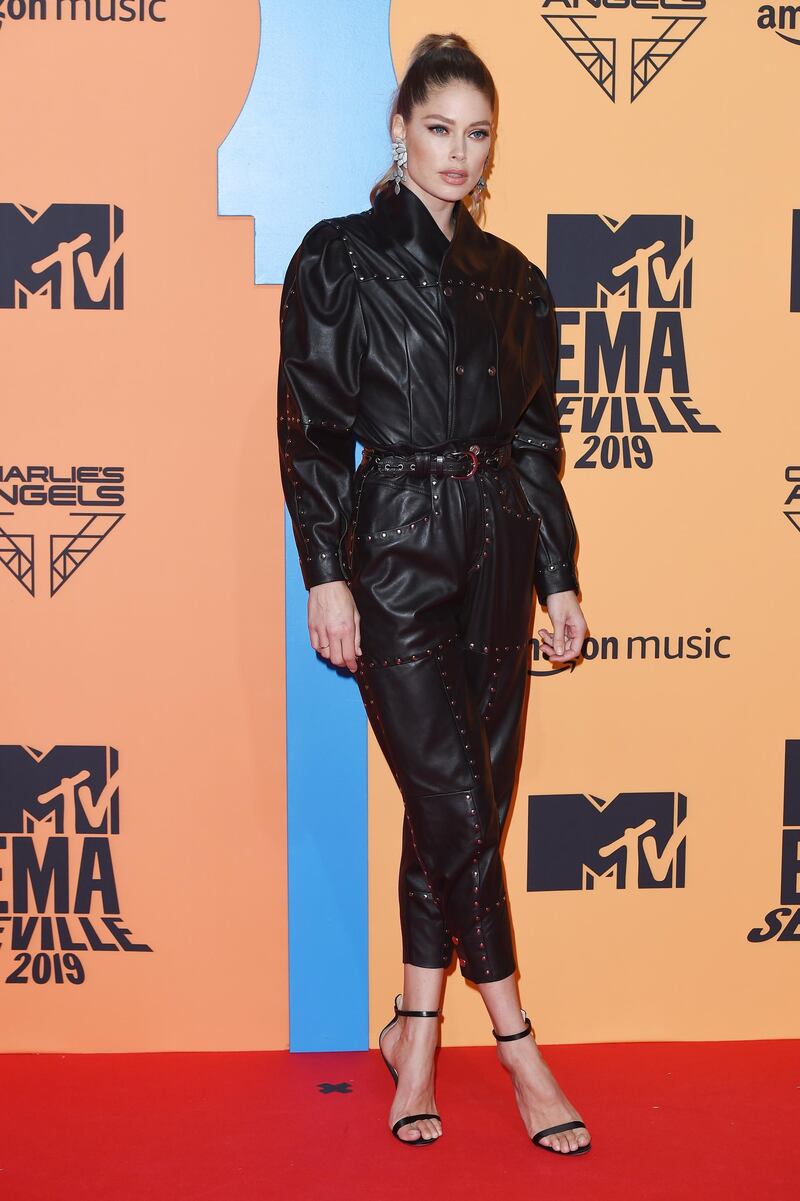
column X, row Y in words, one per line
column 442, row 211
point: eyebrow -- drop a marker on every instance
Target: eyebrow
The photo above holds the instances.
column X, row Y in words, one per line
column 449, row 120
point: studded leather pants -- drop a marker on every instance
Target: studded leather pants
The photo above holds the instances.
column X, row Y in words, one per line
column 441, row 570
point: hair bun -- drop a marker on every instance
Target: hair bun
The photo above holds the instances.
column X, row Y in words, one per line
column 434, row 42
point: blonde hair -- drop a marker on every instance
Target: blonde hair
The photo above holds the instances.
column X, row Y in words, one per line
column 436, row 60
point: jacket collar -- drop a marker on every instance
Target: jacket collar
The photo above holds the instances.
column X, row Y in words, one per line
column 406, row 219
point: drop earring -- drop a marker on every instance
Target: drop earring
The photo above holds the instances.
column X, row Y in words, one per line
column 400, row 157
column 480, row 185
column 475, row 203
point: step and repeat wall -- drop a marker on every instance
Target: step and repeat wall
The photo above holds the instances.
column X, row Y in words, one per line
column 199, row 837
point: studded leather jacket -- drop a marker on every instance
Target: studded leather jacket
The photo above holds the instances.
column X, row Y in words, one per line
column 396, row 336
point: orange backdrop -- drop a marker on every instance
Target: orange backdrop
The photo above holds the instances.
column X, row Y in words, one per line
column 168, row 643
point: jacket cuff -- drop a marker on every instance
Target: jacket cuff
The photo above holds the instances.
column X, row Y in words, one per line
column 321, row 568
column 558, row 577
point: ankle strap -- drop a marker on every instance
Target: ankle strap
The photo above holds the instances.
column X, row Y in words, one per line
column 507, row 1038
column 416, row 1013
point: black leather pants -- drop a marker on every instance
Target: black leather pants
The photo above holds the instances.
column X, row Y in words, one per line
column 442, row 573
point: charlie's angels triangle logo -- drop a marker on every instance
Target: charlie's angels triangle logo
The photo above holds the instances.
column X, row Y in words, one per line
column 651, row 42
column 67, row 549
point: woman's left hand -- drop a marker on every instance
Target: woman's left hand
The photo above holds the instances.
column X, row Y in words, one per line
column 569, row 627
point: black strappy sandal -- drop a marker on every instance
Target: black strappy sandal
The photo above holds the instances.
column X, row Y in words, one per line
column 562, row 1126
column 411, row 1117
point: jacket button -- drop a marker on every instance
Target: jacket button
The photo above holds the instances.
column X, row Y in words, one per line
column 492, row 370
column 459, row 368
column 448, row 291
column 479, row 295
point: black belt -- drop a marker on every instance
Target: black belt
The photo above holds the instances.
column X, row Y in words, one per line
column 458, row 463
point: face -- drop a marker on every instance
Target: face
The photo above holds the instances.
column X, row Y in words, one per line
column 448, row 140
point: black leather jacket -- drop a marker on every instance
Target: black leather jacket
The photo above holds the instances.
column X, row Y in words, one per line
column 396, row 336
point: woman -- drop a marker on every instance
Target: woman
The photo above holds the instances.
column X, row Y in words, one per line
column 435, row 344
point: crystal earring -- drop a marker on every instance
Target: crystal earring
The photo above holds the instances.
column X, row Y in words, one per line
column 475, row 203
column 400, row 157
column 479, row 186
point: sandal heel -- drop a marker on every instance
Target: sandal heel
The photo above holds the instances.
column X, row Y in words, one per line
column 536, row 1138
column 422, row 1141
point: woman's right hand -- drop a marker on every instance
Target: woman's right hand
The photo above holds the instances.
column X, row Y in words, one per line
column 334, row 623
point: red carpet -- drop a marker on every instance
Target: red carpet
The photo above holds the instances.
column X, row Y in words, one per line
column 669, row 1120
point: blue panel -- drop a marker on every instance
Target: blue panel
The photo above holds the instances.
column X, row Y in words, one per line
column 312, row 137
column 327, row 841
column 309, row 143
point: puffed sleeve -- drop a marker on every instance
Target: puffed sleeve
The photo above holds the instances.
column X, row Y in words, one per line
column 322, row 342
column 537, row 448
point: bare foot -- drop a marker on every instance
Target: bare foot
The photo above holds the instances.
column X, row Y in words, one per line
column 409, row 1046
column 539, row 1097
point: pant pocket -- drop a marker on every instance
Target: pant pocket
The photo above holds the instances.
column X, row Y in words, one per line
column 390, row 509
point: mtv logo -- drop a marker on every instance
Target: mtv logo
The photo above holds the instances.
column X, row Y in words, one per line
column 68, row 789
column 794, row 286
column 580, row 842
column 783, row 922
column 790, row 839
column 64, row 256
column 642, row 262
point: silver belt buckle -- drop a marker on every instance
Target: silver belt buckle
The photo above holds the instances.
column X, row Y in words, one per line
column 473, row 454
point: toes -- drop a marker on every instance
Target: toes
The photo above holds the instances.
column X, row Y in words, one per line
column 412, row 1132
column 567, row 1142
column 557, row 1142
